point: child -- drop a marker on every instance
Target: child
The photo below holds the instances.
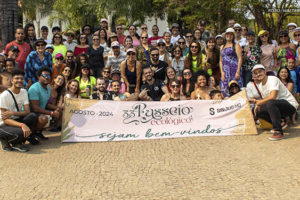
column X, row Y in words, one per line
column 216, row 95
column 234, row 88
column 292, row 67
column 5, row 76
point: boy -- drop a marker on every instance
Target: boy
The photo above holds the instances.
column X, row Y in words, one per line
column 291, row 66
column 216, row 95
column 5, row 76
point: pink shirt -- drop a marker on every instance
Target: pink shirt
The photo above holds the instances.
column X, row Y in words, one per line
column 267, row 58
column 136, row 43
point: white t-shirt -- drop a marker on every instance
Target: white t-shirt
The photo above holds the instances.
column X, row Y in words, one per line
column 252, row 91
column 7, row 102
column 273, row 83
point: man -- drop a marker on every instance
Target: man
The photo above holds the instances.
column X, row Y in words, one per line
column 276, row 103
column 291, row 27
column 121, row 36
column 13, row 53
column 158, row 67
column 153, row 89
column 231, row 23
column 16, row 121
column 70, row 62
column 116, row 95
column 69, row 43
column 153, row 40
column 114, row 61
column 238, row 36
column 144, row 29
column 116, row 75
column 56, row 29
column 204, row 33
column 23, row 47
column 39, row 94
column 175, row 33
column 6, row 76
column 45, row 32
column 101, row 93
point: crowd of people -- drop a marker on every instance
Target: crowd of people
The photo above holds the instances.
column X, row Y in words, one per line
column 38, row 74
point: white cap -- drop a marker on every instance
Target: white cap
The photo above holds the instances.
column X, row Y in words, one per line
column 291, row 24
column 161, row 41
column 115, row 44
column 237, row 25
column 219, row 36
column 104, row 20
column 258, row 66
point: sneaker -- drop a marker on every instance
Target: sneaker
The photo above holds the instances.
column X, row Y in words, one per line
column 6, row 146
column 284, row 125
column 276, row 136
column 20, row 147
column 31, row 139
column 41, row 136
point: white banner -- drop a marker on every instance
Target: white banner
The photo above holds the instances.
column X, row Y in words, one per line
column 99, row 121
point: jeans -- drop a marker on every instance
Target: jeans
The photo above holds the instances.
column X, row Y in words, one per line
column 13, row 134
column 274, row 110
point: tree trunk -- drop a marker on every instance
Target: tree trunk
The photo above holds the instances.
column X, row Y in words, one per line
column 8, row 20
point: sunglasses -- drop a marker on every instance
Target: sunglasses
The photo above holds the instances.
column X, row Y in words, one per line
column 175, row 86
column 194, row 47
column 283, row 36
column 154, row 55
column 46, row 75
column 131, row 54
column 144, row 37
column 266, row 35
column 119, row 28
column 161, row 45
column 298, row 35
column 237, row 30
column 106, row 72
column 69, row 56
column 181, row 42
column 60, row 58
column 144, row 28
column 186, row 73
column 40, row 45
column 189, row 36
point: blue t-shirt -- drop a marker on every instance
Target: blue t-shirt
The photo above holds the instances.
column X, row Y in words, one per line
column 37, row 92
column 294, row 78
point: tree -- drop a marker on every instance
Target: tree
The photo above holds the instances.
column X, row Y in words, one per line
column 8, row 19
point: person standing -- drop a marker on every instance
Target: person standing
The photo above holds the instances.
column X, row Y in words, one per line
column 45, row 32
column 114, row 61
column 135, row 37
column 58, row 46
column 24, row 48
column 153, row 40
column 16, row 121
column 82, row 44
column 30, row 37
column 175, row 30
column 158, row 67
column 121, row 36
column 69, row 43
column 284, row 50
column 143, row 51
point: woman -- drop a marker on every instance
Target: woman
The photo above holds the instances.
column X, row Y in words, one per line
column 57, row 87
column 197, row 37
column 143, row 51
column 30, row 38
column 252, row 57
column 285, row 49
column 170, row 76
column 168, row 44
column 182, row 43
column 131, row 72
column 177, row 60
column 189, row 38
column 82, row 44
column 268, row 55
column 73, row 90
column 174, row 94
column 201, row 87
column 135, row 37
column 36, row 60
column 188, row 84
column 295, row 36
column 195, row 60
column 103, row 40
column 58, row 46
column 244, row 30
column 66, row 72
column 81, row 59
column 285, row 76
column 164, row 55
column 230, row 61
column 213, row 84
column 95, row 55
column 128, row 43
column 212, row 54
column 86, row 82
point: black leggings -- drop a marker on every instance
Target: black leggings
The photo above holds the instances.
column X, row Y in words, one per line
column 274, row 110
column 13, row 134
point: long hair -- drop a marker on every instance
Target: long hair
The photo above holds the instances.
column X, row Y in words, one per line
column 60, row 89
column 78, row 39
column 184, row 82
column 288, row 79
column 216, row 51
column 259, row 42
column 128, row 37
column 174, row 48
column 78, row 89
column 79, row 64
column 136, row 35
column 190, row 55
column 61, row 39
column 27, row 26
column 167, row 78
column 233, row 45
column 105, row 32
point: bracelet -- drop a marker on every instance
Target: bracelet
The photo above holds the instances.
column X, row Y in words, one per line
column 21, row 125
column 51, row 113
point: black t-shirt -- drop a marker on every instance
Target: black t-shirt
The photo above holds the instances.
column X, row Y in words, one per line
column 95, row 56
column 106, row 96
column 160, row 73
column 155, row 90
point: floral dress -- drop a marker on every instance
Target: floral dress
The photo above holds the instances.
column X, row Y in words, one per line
column 252, row 58
column 282, row 56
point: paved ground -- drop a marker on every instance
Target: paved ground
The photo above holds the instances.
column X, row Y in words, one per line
column 232, row 167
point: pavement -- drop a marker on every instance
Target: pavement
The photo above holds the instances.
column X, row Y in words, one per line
column 230, row 167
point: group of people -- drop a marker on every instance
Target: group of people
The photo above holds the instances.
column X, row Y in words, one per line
column 38, row 74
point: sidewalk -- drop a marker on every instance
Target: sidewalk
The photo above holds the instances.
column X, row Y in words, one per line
column 232, row 167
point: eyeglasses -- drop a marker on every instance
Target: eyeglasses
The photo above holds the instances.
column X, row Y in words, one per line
column 60, row 58
column 283, row 36
column 175, row 86
column 161, row 45
column 237, row 30
column 154, row 55
column 181, row 42
column 188, row 36
column 194, row 47
column 186, row 73
column 298, row 35
column 265, row 35
column 130, row 54
column 144, row 28
column 144, row 37
column 46, row 75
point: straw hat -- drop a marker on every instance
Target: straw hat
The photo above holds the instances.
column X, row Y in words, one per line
column 229, row 30
column 291, row 34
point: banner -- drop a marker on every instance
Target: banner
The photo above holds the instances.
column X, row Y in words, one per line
column 99, row 121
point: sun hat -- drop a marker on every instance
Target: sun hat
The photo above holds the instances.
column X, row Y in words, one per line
column 69, row 32
column 291, row 24
column 291, row 34
column 104, row 20
column 262, row 32
column 258, row 66
column 228, row 30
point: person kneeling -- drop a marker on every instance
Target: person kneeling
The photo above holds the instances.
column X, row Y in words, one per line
column 16, row 121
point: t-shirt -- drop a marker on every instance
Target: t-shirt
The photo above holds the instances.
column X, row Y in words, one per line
column 160, row 72
column 59, row 49
column 37, row 92
column 121, row 39
column 70, row 46
column 24, row 50
column 267, row 55
column 273, row 83
column 174, row 39
column 294, row 78
column 83, row 85
column 155, row 90
column 153, row 40
column 115, row 62
column 252, row 91
column 7, row 102
column 96, row 57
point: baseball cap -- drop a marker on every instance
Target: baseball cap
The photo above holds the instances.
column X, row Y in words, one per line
column 49, row 46
column 292, row 24
column 161, row 41
column 104, row 20
column 130, row 50
column 175, row 25
column 115, row 44
column 13, row 48
column 40, row 40
column 258, row 66
column 219, row 36
column 233, row 83
column 262, row 32
column 250, row 33
column 59, row 55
